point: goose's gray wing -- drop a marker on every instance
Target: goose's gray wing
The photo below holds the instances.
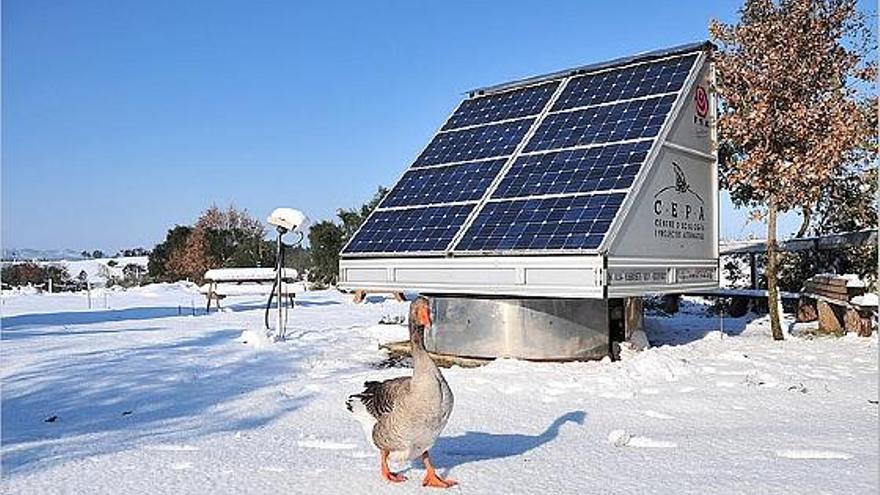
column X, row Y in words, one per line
column 380, row 397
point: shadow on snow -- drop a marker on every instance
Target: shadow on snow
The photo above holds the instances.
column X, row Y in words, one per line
column 693, row 323
column 13, row 324
column 298, row 303
column 112, row 400
column 476, row 446
column 23, row 326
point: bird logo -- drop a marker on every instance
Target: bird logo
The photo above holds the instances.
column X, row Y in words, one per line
column 681, row 184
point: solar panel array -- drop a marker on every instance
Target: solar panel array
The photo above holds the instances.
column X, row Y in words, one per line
column 540, row 168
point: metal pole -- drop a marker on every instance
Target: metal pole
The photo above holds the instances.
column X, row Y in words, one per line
column 279, row 330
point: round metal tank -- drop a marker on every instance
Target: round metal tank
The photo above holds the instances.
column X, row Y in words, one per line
column 524, row 328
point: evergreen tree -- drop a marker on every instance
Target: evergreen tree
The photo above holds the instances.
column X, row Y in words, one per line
column 157, row 263
column 326, row 239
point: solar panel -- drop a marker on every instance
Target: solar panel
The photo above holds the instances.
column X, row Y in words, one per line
column 614, row 122
column 590, row 136
column 663, row 76
column 613, row 166
column 463, row 182
column 474, row 143
column 410, row 230
column 501, row 106
column 568, row 222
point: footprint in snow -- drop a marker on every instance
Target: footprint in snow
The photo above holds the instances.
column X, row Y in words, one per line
column 686, row 390
column 181, row 466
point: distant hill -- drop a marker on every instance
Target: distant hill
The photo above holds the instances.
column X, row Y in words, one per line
column 25, row 254
column 96, row 269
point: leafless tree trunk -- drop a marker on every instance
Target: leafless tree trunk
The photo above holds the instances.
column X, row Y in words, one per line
column 772, row 265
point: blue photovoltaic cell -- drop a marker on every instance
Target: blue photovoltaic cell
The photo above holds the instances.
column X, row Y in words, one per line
column 570, row 222
column 600, row 168
column 412, row 230
column 486, row 141
column 664, row 76
column 602, row 124
column 507, row 105
column 464, row 182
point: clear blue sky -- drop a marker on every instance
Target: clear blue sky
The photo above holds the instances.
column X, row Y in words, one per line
column 121, row 119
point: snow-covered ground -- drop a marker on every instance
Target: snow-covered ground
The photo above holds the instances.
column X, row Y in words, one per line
column 143, row 396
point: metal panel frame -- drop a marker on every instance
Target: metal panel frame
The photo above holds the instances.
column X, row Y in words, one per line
column 575, row 276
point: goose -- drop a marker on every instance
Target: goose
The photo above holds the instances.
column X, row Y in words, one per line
column 403, row 416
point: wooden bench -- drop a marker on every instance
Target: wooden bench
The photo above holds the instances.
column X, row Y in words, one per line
column 840, row 303
column 224, row 282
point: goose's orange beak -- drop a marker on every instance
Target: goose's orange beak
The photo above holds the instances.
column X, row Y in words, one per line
column 425, row 316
